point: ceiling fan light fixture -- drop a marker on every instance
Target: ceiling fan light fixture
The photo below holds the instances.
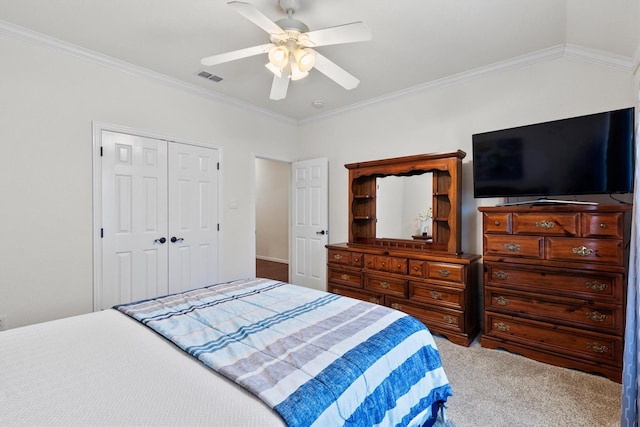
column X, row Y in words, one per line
column 296, row 72
column 279, row 56
column 305, row 59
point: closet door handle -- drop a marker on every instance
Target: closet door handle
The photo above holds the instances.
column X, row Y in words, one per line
column 160, row 240
column 175, row 239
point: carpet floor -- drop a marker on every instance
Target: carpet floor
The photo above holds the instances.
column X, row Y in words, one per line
column 497, row 388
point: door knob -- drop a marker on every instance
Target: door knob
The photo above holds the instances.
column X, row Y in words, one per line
column 175, row 239
column 160, row 240
column 322, row 232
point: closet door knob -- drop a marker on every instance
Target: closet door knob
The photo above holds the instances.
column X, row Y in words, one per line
column 160, row 240
column 175, row 239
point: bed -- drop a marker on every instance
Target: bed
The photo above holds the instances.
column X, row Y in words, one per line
column 245, row 353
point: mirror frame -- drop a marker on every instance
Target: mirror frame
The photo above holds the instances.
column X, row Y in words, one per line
column 446, row 200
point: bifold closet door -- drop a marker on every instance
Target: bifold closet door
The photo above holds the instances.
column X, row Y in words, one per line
column 159, row 217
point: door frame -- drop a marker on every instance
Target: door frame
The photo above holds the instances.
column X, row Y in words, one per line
column 97, row 129
column 252, row 207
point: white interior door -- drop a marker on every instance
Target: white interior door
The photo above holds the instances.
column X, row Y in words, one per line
column 193, row 216
column 310, row 219
column 134, row 218
column 159, row 219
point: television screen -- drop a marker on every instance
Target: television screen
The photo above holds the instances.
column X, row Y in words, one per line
column 590, row 154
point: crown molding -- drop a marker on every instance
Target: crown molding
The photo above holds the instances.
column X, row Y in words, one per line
column 25, row 34
column 618, row 62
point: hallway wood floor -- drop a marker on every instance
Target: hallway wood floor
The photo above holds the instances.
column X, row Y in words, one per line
column 272, row 270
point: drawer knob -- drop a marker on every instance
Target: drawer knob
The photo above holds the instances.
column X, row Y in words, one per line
column 501, row 275
column 336, row 291
column 385, row 285
column 496, row 223
column 603, row 225
column 512, row 247
column 345, row 277
column 503, row 327
column 501, row 300
column 596, row 316
column 597, row 347
column 356, row 260
column 374, row 300
column 444, row 273
column 435, row 295
column 384, row 264
column 337, row 257
column 582, row 251
column 545, row 224
column 597, row 286
column 448, row 319
column 415, row 268
column 396, row 306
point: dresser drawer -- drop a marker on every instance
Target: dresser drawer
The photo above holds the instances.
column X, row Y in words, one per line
column 345, row 276
column 417, row 268
column 601, row 286
column 356, row 294
column 601, row 251
column 386, row 285
column 603, row 225
column 574, row 312
column 547, row 223
column 437, row 295
column 496, row 222
column 386, row 263
column 433, row 317
column 445, row 271
column 592, row 346
column 339, row 257
column 514, row 246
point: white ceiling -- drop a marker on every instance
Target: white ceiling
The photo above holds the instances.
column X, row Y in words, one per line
column 416, row 43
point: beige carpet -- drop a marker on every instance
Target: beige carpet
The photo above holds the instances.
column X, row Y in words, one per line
column 496, row 388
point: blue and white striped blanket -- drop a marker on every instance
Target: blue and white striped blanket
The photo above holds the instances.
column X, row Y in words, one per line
column 318, row 359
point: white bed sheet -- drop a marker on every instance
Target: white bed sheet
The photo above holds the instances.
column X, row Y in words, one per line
column 104, row 368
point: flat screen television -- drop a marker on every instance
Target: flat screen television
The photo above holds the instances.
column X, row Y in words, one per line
column 592, row 154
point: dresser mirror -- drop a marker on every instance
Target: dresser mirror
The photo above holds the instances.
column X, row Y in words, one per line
column 404, row 206
column 384, row 219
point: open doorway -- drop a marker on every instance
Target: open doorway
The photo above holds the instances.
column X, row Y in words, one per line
column 272, row 218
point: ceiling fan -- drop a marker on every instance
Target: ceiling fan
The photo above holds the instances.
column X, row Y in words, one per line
column 290, row 51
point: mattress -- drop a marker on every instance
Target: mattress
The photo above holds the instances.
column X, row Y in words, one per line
column 105, row 368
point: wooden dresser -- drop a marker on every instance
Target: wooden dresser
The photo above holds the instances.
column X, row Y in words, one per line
column 554, row 284
column 438, row 289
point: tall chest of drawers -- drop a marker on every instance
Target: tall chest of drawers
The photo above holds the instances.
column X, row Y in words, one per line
column 439, row 289
column 554, row 284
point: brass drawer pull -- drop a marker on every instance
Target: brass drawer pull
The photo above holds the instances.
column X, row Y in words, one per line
column 583, row 251
column 444, row 273
column 399, row 266
column 374, row 300
column 545, row 224
column 500, row 275
column 385, row 285
column 435, row 295
column 512, row 247
column 448, row 319
column 337, row 257
column 396, row 306
column 384, row 264
column 603, row 225
column 501, row 327
column 497, row 223
column 597, row 347
column 597, row 286
column 501, row 300
column 596, row 316
column 345, row 277
column 336, row 291
column 356, row 260
column 415, row 268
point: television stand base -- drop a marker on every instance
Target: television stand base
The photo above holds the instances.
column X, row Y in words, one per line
column 543, row 201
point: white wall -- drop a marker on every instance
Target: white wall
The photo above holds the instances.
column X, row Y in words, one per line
column 272, row 210
column 443, row 120
column 48, row 100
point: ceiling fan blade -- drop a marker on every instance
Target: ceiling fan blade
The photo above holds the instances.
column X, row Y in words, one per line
column 334, row 72
column 279, row 87
column 236, row 54
column 255, row 16
column 347, row 33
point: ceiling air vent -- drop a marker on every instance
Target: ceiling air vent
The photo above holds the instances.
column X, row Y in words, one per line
column 210, row 76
